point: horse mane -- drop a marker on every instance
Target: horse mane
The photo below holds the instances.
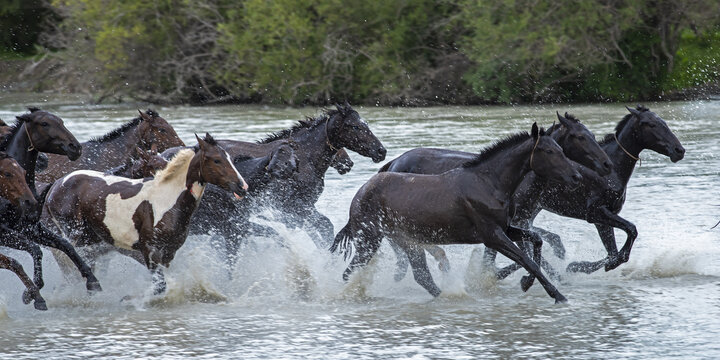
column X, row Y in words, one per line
column 308, row 123
column 14, row 128
column 497, row 147
column 114, row 134
column 241, row 158
column 621, row 125
column 179, row 163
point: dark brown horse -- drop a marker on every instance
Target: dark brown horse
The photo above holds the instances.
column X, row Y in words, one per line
column 141, row 165
column 466, row 205
column 318, row 140
column 578, row 145
column 146, row 219
column 34, row 132
column 114, row 148
column 14, row 189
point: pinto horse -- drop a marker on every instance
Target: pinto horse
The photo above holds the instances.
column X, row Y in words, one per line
column 112, row 149
column 146, row 219
column 34, row 132
column 318, row 141
column 14, row 189
column 578, row 144
column 599, row 198
column 466, row 205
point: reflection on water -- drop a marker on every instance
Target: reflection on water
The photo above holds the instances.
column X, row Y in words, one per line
column 291, row 302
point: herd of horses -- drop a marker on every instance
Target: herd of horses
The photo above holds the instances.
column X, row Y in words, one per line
column 140, row 191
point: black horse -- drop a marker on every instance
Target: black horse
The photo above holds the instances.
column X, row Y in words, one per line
column 578, row 145
column 34, row 132
column 318, row 140
column 600, row 198
column 467, row 205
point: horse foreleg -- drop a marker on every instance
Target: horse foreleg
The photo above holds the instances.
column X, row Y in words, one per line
column 499, row 241
column 422, row 275
column 45, row 237
column 16, row 240
column 605, row 220
column 553, row 240
column 439, row 254
column 32, row 292
column 323, row 226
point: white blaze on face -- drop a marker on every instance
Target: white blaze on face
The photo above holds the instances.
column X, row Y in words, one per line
column 245, row 185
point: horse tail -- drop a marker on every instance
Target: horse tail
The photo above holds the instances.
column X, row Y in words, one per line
column 342, row 241
column 385, row 167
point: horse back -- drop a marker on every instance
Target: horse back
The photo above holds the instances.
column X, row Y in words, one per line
column 428, row 161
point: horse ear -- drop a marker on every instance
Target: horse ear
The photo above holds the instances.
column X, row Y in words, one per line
column 632, row 111
column 201, row 142
column 347, row 104
column 563, row 120
column 535, row 132
column 209, row 139
column 144, row 116
column 24, row 118
column 340, row 109
column 2, row 123
column 33, row 109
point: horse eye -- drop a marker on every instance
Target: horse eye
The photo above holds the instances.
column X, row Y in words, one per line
column 162, row 131
column 44, row 124
column 217, row 161
column 7, row 174
column 549, row 151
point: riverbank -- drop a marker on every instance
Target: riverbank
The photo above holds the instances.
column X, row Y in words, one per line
column 44, row 74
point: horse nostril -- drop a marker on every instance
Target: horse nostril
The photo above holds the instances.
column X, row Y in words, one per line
column 607, row 165
column 679, row 150
column 382, row 151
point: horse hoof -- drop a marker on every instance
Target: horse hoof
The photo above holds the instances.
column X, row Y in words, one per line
column 526, row 282
column 40, row 304
column 398, row 276
column 560, row 299
column 93, row 287
column 584, row 266
column 26, row 297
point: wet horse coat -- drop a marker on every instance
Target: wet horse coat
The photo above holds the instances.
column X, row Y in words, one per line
column 146, row 218
column 467, row 205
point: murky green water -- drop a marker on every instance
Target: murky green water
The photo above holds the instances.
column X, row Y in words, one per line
column 292, row 303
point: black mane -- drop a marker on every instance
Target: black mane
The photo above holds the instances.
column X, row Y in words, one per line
column 497, row 147
column 114, row 134
column 14, row 128
column 621, row 125
column 308, row 123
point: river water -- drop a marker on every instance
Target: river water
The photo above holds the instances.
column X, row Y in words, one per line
column 290, row 302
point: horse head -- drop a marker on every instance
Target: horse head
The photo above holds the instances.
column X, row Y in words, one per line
column 346, row 129
column 13, row 186
column 283, row 161
column 154, row 130
column 342, row 162
column 146, row 163
column 47, row 133
column 548, row 161
column 579, row 144
column 651, row 132
column 213, row 165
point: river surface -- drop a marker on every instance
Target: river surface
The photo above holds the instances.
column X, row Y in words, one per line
column 291, row 302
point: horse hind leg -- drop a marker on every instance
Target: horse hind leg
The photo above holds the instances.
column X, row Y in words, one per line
column 366, row 243
column 32, row 292
column 401, row 261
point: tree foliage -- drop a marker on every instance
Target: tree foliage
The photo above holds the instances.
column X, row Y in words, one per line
column 387, row 52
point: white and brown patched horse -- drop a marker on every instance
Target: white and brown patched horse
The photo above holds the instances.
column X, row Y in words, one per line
column 146, row 219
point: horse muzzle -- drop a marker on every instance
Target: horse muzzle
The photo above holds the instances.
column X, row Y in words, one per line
column 677, row 154
column 73, row 151
column 379, row 155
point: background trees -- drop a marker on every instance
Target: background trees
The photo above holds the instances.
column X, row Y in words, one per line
column 394, row 52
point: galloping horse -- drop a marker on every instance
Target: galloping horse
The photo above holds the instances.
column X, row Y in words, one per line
column 578, row 145
column 318, row 140
column 112, row 149
column 40, row 131
column 14, row 189
column 146, row 219
column 599, row 198
column 466, row 205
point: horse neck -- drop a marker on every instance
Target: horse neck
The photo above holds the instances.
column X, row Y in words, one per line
column 623, row 164
column 254, row 169
column 315, row 148
column 509, row 167
column 17, row 148
column 112, row 152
